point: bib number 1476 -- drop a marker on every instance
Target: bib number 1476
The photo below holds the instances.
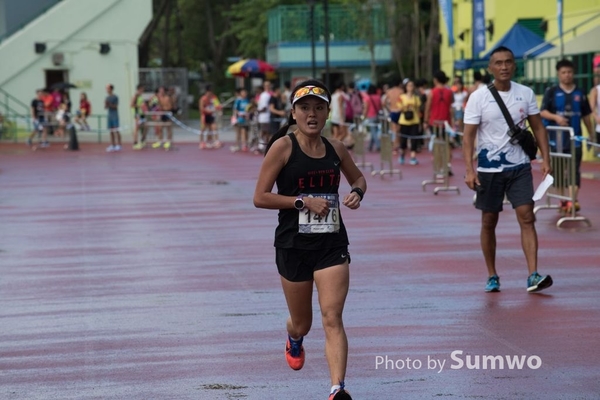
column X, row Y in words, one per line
column 310, row 222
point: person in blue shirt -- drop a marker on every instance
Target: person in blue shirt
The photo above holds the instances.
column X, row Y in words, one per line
column 242, row 121
column 567, row 105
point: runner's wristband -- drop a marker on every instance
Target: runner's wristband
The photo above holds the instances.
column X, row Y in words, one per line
column 359, row 192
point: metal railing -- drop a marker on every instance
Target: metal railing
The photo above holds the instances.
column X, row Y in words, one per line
column 386, row 150
column 10, row 103
column 563, row 188
column 441, row 160
column 357, row 130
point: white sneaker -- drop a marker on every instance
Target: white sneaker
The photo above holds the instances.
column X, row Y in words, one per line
column 117, row 148
column 110, row 149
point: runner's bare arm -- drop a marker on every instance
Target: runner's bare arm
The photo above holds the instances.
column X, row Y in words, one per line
column 469, row 134
column 353, row 175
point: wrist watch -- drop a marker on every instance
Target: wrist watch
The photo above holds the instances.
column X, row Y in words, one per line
column 299, row 202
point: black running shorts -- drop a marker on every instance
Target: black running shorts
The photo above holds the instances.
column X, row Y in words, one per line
column 299, row 265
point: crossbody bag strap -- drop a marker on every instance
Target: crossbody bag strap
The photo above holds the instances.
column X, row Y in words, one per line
column 507, row 116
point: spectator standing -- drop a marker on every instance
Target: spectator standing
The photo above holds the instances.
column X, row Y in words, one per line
column 165, row 103
column 264, row 115
column 62, row 119
column 276, row 111
column 240, row 109
column 372, row 102
column 154, row 104
column 422, row 91
column 460, row 99
column 355, row 102
column 338, row 112
column 410, row 103
column 504, row 169
column 285, row 95
column 392, row 104
column 38, row 116
column 56, row 99
column 439, row 101
column 208, row 105
column 111, row 103
column 567, row 105
column 137, row 104
column 84, row 111
column 439, row 106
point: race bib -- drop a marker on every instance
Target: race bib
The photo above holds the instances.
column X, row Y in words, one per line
column 309, row 222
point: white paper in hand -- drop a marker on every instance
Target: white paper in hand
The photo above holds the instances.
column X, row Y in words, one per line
column 546, row 183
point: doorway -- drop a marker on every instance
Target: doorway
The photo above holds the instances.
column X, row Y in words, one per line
column 54, row 76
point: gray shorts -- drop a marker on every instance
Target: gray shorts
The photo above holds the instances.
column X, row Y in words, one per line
column 516, row 184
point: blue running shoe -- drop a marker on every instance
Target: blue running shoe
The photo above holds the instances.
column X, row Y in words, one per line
column 493, row 284
column 537, row 282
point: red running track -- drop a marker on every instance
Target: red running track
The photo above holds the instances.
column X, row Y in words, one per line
column 150, row 275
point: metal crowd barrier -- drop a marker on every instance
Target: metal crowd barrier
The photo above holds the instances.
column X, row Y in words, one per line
column 563, row 170
column 385, row 152
column 357, row 130
column 441, row 152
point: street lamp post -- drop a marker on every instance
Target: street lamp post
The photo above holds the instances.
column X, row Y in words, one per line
column 311, row 4
column 326, row 16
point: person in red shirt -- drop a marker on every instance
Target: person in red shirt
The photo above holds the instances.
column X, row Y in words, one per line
column 439, row 106
column 84, row 111
column 439, row 101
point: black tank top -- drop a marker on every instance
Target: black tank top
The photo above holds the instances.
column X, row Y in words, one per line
column 306, row 175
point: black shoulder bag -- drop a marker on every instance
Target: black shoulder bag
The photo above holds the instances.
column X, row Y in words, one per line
column 518, row 135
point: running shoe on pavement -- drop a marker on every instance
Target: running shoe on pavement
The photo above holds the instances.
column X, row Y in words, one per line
column 167, row 146
column 537, row 282
column 110, row 149
column 157, row 145
column 294, row 353
column 493, row 284
column 340, row 394
column 569, row 206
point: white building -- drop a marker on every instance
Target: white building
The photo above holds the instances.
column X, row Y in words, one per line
column 88, row 43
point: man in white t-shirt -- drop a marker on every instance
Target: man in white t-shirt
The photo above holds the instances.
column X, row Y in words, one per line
column 503, row 168
column 264, row 115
